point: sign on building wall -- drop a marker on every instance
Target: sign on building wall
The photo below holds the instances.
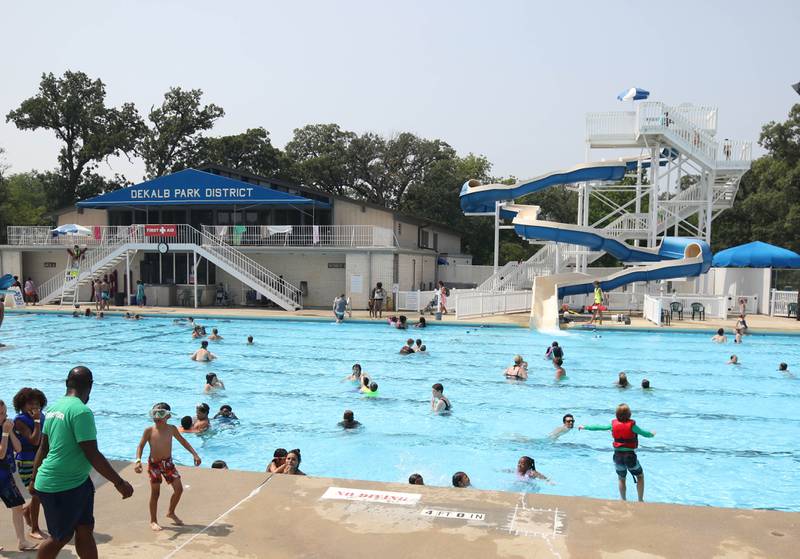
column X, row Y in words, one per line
column 336, row 265
column 356, row 284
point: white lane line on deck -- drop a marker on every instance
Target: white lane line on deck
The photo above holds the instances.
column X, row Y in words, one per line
column 252, row 494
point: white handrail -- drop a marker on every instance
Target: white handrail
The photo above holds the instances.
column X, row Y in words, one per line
column 302, row 235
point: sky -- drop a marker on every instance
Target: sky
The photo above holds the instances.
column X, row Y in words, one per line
column 511, row 80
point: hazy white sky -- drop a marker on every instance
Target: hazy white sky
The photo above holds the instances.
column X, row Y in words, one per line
column 508, row 79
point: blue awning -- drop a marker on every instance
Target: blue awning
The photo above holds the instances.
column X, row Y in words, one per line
column 756, row 255
column 192, row 187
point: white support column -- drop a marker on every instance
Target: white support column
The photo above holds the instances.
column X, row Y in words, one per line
column 638, row 201
column 194, row 252
column 709, row 203
column 128, row 277
column 654, row 173
column 496, row 236
column 587, row 196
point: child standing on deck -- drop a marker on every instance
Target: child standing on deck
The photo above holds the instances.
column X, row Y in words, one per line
column 160, row 464
column 626, row 440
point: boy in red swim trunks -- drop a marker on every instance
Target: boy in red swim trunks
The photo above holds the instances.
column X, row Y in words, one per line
column 159, row 464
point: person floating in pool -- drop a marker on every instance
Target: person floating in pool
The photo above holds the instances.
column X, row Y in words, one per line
column 159, row 463
column 349, row 420
column 554, row 351
column 784, row 368
column 626, row 441
column 517, row 371
column 526, row 468
column 561, row 373
column 719, row 337
column 734, row 360
column 622, row 381
column 416, row 479
column 439, row 402
column 461, row 479
column 597, row 308
column 215, row 335
column 567, row 423
column 203, row 354
column 407, row 349
column 225, row 412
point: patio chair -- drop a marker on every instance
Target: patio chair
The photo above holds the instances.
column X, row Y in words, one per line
column 699, row 310
column 791, row 310
column 676, row 308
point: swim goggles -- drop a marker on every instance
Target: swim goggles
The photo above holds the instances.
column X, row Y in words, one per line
column 159, row 413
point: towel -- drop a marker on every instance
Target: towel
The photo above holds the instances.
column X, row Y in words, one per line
column 279, row 229
column 315, row 234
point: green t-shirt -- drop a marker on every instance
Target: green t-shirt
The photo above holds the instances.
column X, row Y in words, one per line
column 65, row 467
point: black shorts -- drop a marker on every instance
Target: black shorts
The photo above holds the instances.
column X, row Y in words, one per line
column 9, row 493
column 626, row 461
column 66, row 510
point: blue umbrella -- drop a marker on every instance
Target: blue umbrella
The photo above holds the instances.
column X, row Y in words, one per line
column 633, row 94
column 71, row 229
column 756, row 255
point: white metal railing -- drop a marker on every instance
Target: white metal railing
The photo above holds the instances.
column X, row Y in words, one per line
column 731, row 152
column 780, row 300
column 483, row 303
column 654, row 117
column 699, row 116
column 613, row 125
column 30, row 235
column 303, row 235
column 417, row 300
column 615, row 300
column 651, row 309
column 715, row 307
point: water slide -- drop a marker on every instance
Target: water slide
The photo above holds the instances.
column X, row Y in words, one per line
column 675, row 257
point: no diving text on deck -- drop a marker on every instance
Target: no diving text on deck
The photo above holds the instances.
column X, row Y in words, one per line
column 189, row 193
column 386, row 497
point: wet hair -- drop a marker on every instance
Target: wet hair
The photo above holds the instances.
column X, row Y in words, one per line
column 458, row 479
column 645, row 383
column 379, row 285
column 423, row 322
column 554, row 344
column 25, row 395
column 415, row 479
column 186, row 421
column 204, row 408
column 210, row 378
column 79, row 378
column 623, row 380
column 438, row 387
column 566, row 415
column 781, row 367
column 419, row 341
column 214, row 331
column 422, row 347
column 365, row 380
column 162, row 406
column 403, row 318
column 373, row 387
column 204, row 344
column 531, row 464
column 88, row 312
column 721, row 332
column 219, row 465
column 734, row 357
column 518, row 359
column 348, row 415
column 357, row 367
column 296, row 452
column 280, row 453
column 409, row 342
column 623, row 412
column 250, row 339
column 225, row 407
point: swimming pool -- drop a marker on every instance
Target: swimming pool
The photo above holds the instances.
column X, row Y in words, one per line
column 726, row 435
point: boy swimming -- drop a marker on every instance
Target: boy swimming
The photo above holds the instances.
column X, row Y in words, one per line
column 159, row 463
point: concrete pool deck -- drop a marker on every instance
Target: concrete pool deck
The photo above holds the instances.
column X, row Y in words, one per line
column 757, row 323
column 247, row 514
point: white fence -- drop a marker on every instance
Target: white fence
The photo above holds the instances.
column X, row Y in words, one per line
column 474, row 304
column 417, row 300
column 651, row 309
column 615, row 300
column 779, row 302
column 715, row 307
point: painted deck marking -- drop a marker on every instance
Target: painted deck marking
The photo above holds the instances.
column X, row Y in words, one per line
column 372, row 496
column 454, row 514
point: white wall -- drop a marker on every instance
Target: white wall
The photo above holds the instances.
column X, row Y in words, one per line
column 373, row 267
column 743, row 281
column 11, row 263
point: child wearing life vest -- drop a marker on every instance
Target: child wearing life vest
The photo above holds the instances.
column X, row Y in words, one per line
column 626, row 440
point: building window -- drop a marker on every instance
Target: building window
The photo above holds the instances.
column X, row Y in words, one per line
column 424, row 238
column 436, row 241
column 399, row 228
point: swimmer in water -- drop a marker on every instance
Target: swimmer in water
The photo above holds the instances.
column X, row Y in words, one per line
column 461, row 479
column 518, row 371
column 415, row 479
column 734, row 360
column 645, row 384
column 418, row 345
column 784, row 368
column 213, row 383
column 526, row 467
column 219, row 465
column 276, row 465
column 355, row 375
column 249, row 340
column 554, row 351
column 568, row 422
column 719, row 337
column 422, row 349
column 421, row 323
column 225, row 412
column 203, row 354
column 186, row 424
column 292, row 463
column 439, row 402
column 215, row 335
column 560, row 372
column 349, row 421
column 201, row 422
column 371, row 390
column 622, row 381
column 407, row 349
column 197, row 332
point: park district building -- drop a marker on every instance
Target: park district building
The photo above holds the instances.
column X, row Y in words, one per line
column 320, row 245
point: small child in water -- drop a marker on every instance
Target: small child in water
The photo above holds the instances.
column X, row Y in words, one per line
column 159, row 463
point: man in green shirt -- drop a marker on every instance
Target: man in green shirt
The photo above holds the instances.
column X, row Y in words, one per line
column 597, row 308
column 61, row 470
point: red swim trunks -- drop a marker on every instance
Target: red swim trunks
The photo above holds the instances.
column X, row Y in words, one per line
column 158, row 468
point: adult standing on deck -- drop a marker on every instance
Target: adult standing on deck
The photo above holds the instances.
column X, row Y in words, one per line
column 597, row 308
column 67, row 454
column 379, row 297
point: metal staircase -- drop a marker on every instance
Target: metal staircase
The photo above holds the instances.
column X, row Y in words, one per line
column 117, row 242
column 688, row 130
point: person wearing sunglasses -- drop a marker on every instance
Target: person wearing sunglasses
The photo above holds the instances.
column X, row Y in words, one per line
column 568, row 422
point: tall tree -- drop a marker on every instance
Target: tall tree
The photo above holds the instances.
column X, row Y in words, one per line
column 250, row 151
column 175, row 131
column 24, row 200
column 73, row 106
column 320, row 157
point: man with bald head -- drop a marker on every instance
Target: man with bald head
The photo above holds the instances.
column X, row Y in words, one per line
column 67, row 454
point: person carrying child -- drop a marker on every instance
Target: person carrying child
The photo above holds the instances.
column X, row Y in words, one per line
column 626, row 441
column 159, row 463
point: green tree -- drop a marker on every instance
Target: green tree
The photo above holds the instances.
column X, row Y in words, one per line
column 175, row 131
column 250, row 151
column 319, row 155
column 23, row 201
column 74, row 108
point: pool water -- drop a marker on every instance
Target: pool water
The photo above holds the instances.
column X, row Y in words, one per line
column 726, row 435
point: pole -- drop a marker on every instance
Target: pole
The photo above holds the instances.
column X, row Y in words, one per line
column 496, row 237
column 128, row 276
column 194, row 252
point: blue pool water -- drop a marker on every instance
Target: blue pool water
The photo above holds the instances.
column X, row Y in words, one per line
column 726, row 435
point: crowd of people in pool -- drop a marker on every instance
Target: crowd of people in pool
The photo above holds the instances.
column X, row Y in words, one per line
column 52, row 459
